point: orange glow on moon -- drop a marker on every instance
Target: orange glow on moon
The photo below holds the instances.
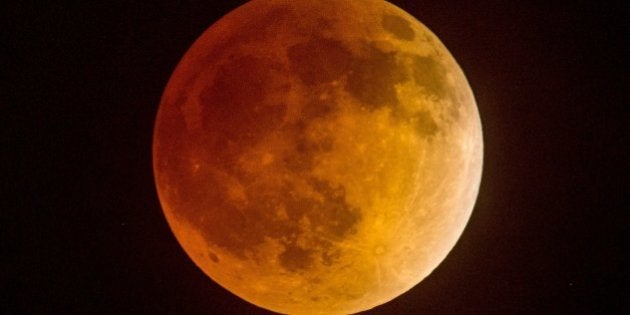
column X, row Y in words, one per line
column 317, row 157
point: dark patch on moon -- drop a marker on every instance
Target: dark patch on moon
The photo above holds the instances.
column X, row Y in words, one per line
column 243, row 33
column 325, row 23
column 234, row 107
column 329, row 257
column 307, row 146
column 424, row 123
column 319, row 60
column 204, row 205
column 295, row 258
column 213, row 257
column 431, row 75
column 300, row 160
column 330, row 215
column 334, row 216
column 372, row 79
column 318, row 109
column 398, row 27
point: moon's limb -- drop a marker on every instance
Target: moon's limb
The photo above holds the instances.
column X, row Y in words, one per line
column 314, row 163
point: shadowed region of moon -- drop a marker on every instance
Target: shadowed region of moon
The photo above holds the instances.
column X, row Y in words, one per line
column 317, row 157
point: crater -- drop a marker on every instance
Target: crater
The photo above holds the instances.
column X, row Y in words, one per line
column 398, row 26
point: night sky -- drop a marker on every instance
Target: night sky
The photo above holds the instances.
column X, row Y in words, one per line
column 83, row 232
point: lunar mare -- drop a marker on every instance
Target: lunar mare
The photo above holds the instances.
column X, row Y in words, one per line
column 317, row 157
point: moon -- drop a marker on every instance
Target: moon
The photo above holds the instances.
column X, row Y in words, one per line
column 317, row 156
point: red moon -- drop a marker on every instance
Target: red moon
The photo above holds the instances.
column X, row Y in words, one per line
column 317, row 156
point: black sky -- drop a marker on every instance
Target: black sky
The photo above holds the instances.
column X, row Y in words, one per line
column 82, row 229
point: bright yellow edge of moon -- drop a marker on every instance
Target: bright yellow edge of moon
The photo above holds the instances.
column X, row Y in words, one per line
column 411, row 170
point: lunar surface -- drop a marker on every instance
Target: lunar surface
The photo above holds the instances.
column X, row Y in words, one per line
column 317, row 156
